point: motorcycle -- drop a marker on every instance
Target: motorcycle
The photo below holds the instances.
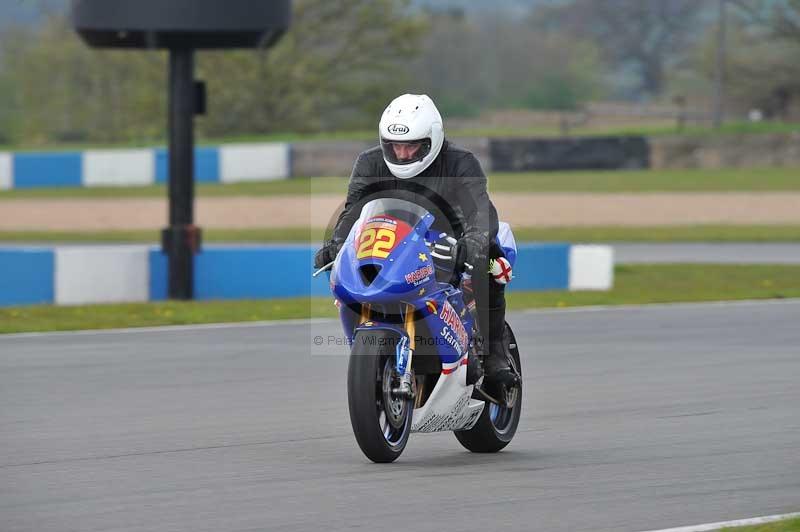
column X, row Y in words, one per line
column 412, row 337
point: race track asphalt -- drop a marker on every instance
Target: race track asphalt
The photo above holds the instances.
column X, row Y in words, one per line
column 634, row 419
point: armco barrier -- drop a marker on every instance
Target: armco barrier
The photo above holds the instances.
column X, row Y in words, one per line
column 112, row 274
column 600, row 153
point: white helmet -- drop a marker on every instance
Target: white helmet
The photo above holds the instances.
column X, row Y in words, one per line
column 412, row 135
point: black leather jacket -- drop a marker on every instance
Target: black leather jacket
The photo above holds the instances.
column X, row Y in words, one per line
column 453, row 185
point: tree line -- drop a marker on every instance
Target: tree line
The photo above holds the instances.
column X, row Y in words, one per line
column 344, row 59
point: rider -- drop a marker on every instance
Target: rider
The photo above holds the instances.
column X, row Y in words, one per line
column 414, row 154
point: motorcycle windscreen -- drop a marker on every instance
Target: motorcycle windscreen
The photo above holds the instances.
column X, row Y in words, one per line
column 385, row 253
column 384, row 223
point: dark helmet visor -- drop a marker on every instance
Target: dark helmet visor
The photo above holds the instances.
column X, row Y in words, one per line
column 405, row 152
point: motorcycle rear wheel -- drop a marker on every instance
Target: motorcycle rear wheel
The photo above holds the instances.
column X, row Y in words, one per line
column 381, row 422
column 497, row 424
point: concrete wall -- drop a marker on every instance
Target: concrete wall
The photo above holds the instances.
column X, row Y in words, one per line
column 336, row 158
column 729, row 151
column 481, row 147
column 325, row 158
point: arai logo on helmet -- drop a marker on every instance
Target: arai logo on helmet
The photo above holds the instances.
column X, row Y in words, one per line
column 397, row 129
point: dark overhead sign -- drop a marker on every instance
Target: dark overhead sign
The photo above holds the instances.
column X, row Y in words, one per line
column 181, row 23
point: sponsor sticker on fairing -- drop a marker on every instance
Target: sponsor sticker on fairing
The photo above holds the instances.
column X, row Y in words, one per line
column 419, row 276
column 459, row 335
column 378, row 236
column 458, row 416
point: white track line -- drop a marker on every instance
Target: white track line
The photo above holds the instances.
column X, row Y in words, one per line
column 172, row 328
column 725, row 524
column 318, row 321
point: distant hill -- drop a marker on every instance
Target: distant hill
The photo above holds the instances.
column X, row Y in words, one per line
column 517, row 6
column 28, row 12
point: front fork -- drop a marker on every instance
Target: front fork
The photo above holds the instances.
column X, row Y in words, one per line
column 404, row 352
column 404, row 356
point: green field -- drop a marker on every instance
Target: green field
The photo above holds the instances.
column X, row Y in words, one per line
column 673, row 233
column 633, row 285
column 787, row 525
column 706, row 180
column 731, row 128
column 729, row 180
column 678, row 233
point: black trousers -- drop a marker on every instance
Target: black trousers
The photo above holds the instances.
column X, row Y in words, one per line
column 490, row 302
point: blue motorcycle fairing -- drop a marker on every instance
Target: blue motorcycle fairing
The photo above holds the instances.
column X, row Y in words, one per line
column 443, row 335
column 408, row 257
column 401, row 351
column 450, row 324
column 406, row 277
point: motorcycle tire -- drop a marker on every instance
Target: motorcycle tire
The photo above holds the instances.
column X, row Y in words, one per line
column 497, row 425
column 381, row 423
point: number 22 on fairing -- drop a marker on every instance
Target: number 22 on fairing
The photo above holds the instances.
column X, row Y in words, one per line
column 376, row 243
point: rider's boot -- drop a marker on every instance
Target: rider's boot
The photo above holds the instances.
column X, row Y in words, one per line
column 496, row 366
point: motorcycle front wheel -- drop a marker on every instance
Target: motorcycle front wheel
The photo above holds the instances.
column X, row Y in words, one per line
column 498, row 423
column 381, row 421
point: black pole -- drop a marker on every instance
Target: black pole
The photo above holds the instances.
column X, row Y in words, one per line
column 719, row 77
column 181, row 240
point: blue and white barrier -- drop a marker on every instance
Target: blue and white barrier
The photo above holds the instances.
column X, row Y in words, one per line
column 591, row 267
column 118, row 168
column 254, row 162
column 27, row 276
column 32, row 170
column 72, row 275
column 101, row 274
column 109, row 168
column 6, row 171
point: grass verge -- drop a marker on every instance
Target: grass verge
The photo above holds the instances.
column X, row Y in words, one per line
column 659, row 128
column 718, row 180
column 638, row 284
column 675, row 233
column 673, row 283
column 694, row 180
column 787, row 525
column 678, row 233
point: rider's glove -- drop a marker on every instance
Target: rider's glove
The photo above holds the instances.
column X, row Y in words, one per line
column 472, row 248
column 327, row 253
